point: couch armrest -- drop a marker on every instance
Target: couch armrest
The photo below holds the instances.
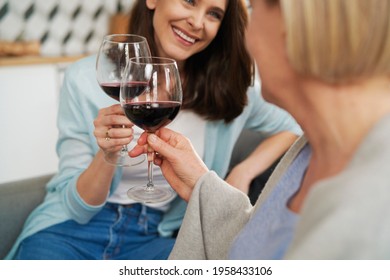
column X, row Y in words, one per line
column 17, row 200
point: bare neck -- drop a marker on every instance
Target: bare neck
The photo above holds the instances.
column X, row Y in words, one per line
column 335, row 120
column 338, row 118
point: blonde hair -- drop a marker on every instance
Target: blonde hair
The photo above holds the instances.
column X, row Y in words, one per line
column 338, row 40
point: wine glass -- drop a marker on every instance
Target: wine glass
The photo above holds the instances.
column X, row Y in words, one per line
column 151, row 97
column 114, row 53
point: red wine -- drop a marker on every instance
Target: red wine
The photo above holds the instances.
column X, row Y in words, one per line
column 151, row 116
column 132, row 90
column 111, row 89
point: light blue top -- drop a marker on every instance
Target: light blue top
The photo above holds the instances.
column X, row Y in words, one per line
column 270, row 230
column 80, row 100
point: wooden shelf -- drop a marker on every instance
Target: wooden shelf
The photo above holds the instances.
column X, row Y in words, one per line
column 28, row 60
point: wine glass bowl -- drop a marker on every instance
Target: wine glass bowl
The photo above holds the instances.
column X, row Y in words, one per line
column 151, row 97
column 113, row 56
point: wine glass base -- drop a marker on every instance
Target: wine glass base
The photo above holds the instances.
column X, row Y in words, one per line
column 118, row 159
column 150, row 195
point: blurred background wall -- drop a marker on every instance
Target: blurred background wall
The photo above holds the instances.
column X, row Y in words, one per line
column 61, row 27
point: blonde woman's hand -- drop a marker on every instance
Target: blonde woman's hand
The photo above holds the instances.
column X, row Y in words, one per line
column 180, row 164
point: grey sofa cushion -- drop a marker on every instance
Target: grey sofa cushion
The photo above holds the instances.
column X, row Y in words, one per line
column 17, row 200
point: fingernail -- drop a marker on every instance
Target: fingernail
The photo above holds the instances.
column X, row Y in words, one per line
column 152, row 138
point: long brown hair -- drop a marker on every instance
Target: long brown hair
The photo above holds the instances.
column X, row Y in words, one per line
column 218, row 77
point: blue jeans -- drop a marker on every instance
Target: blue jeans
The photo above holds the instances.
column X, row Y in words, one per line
column 117, row 232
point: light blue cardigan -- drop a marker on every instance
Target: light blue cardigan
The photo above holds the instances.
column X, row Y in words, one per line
column 80, row 100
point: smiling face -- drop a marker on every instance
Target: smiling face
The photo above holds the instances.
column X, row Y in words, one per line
column 185, row 27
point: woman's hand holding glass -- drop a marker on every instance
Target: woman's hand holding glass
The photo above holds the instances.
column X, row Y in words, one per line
column 177, row 158
column 119, row 132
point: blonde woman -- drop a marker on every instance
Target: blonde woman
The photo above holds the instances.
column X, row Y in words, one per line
column 327, row 62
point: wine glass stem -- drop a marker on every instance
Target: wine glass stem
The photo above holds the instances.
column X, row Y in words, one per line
column 150, row 185
column 124, row 147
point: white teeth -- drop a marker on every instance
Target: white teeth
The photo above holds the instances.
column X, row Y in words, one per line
column 184, row 36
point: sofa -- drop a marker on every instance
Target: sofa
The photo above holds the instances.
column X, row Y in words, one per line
column 17, row 200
